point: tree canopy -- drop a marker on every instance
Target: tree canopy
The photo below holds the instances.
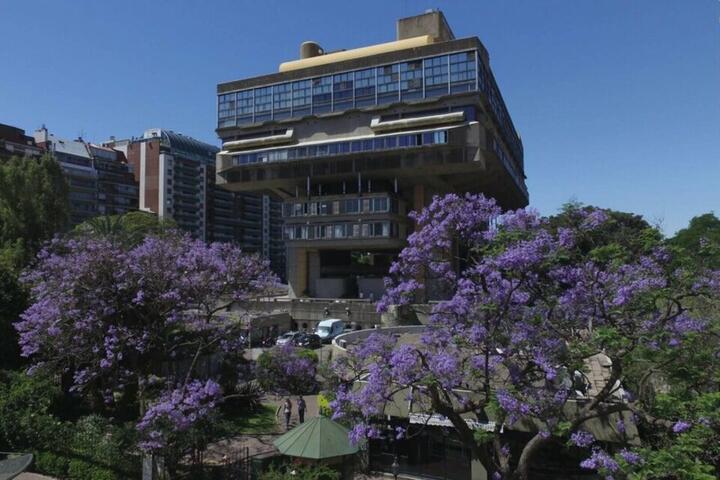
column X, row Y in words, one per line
column 134, row 321
column 533, row 304
column 33, row 206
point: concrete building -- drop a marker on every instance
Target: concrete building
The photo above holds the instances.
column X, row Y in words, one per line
column 14, row 142
column 352, row 140
column 100, row 181
column 177, row 175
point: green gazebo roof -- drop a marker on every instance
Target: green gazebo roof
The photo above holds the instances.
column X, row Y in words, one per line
column 316, row 439
column 14, row 465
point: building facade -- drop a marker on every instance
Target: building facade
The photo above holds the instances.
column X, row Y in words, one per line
column 177, row 178
column 14, row 142
column 352, row 141
column 100, row 180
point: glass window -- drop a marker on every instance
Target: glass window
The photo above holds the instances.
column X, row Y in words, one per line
column 226, row 110
column 411, row 74
column 339, row 230
column 302, row 96
column 436, row 76
column 365, row 229
column 282, row 100
column 263, row 104
column 462, row 72
column 380, row 205
column 321, row 94
column 365, row 87
column 387, row 84
column 351, row 205
column 343, row 91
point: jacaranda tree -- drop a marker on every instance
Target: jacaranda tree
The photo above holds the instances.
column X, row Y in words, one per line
column 127, row 322
column 528, row 304
column 287, row 370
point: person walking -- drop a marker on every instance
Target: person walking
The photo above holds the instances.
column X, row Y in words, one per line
column 286, row 407
column 301, row 409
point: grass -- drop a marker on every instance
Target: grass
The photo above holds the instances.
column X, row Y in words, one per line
column 260, row 422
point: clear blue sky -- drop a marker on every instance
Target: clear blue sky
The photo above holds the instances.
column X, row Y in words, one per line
column 617, row 101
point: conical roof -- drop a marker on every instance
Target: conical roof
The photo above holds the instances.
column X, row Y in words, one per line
column 316, row 439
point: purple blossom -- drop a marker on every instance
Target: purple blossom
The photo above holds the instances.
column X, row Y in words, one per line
column 601, row 461
column 176, row 411
column 582, row 438
column 630, row 457
column 681, row 426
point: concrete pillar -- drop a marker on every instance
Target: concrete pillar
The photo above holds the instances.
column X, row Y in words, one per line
column 313, row 260
column 297, row 272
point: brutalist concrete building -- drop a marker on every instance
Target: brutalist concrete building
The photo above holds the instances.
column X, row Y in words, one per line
column 352, row 140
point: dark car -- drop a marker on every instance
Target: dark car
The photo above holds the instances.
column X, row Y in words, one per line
column 308, row 340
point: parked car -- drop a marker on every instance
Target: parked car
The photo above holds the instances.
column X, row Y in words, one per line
column 329, row 329
column 308, row 340
column 288, row 337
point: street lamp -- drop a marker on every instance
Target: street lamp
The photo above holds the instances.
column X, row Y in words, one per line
column 395, row 467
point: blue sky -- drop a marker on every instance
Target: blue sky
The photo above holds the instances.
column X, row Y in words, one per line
column 617, row 101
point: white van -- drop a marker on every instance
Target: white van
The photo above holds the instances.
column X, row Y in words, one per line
column 329, row 329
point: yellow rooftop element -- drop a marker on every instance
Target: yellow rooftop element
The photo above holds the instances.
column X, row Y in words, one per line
column 357, row 53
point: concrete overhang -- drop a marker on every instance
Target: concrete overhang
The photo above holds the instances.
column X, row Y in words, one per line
column 236, row 145
column 406, row 123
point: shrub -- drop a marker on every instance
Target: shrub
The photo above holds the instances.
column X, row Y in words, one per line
column 51, row 464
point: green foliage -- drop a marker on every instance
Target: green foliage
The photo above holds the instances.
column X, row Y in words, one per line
column 323, row 402
column 33, row 207
column 99, row 450
column 53, row 464
column 257, row 422
column 129, row 228
column 699, row 243
column 27, row 419
column 13, row 300
column 301, row 472
column 616, row 240
column 90, row 448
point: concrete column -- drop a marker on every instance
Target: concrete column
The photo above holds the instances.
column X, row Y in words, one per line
column 297, row 271
column 313, row 260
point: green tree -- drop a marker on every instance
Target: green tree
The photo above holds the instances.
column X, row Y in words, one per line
column 13, row 300
column 33, row 207
column 620, row 237
column 699, row 243
column 129, row 229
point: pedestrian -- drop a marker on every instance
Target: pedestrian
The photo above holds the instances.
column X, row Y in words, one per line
column 286, row 407
column 301, row 409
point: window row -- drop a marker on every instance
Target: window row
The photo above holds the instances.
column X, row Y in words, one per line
column 342, row 148
column 340, row 207
column 424, row 78
column 330, row 231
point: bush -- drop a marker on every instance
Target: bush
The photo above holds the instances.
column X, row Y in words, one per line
column 82, row 470
column 323, row 401
column 51, row 464
column 26, row 412
column 100, row 450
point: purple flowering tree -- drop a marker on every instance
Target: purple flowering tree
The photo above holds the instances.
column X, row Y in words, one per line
column 287, row 370
column 528, row 306
column 132, row 323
